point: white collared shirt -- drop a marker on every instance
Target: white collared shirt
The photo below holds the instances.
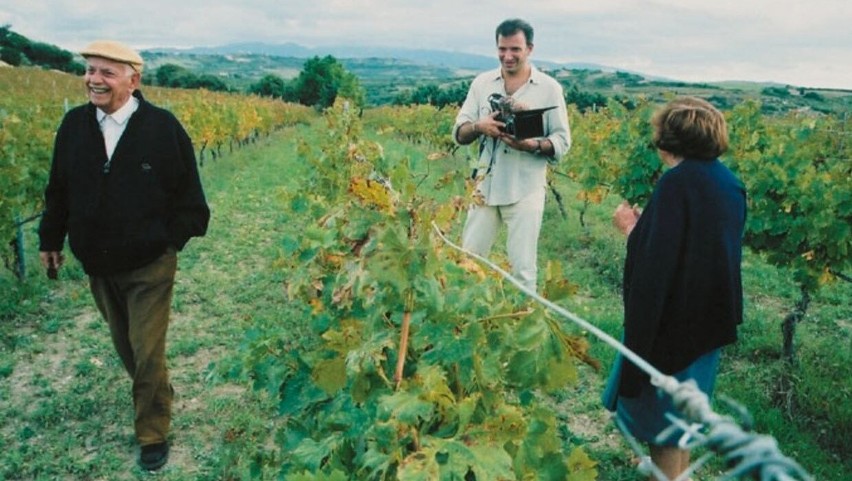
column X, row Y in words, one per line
column 113, row 125
column 513, row 174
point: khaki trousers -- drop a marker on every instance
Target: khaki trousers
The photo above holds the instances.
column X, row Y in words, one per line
column 523, row 222
column 136, row 305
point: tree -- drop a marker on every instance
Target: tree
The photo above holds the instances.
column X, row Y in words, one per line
column 781, row 92
column 323, row 79
column 19, row 50
column 11, row 56
column 584, row 100
column 172, row 75
column 270, row 85
column 454, row 94
column 435, row 95
column 210, row 82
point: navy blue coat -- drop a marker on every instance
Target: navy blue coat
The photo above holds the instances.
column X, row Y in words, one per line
column 682, row 283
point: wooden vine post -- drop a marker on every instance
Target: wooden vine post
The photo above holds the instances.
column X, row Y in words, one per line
column 403, row 337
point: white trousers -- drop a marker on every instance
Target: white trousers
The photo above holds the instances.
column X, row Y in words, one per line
column 523, row 224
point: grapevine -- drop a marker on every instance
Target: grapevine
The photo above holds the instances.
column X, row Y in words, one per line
column 34, row 101
column 465, row 400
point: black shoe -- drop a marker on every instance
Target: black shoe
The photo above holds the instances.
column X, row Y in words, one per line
column 153, row 456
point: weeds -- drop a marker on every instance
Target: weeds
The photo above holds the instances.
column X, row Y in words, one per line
column 65, row 401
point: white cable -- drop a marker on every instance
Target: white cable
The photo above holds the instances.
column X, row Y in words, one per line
column 749, row 454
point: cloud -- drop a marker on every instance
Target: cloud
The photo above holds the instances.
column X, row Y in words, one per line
column 789, row 41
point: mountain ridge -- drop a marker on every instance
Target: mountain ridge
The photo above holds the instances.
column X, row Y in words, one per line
column 388, row 72
column 432, row 57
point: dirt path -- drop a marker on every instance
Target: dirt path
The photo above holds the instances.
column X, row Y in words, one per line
column 67, row 407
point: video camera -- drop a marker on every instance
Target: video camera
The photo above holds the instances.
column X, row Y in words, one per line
column 522, row 124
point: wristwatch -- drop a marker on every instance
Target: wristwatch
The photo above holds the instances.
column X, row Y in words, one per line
column 538, row 150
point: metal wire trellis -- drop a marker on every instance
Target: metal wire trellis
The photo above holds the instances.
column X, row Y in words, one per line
column 745, row 453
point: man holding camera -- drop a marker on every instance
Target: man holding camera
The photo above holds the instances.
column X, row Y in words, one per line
column 511, row 172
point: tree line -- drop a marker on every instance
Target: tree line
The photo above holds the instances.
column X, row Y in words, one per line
column 319, row 83
column 17, row 50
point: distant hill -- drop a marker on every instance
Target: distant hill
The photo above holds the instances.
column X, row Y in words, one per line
column 385, row 72
column 437, row 58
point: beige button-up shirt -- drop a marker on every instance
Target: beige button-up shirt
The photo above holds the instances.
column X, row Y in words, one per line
column 511, row 175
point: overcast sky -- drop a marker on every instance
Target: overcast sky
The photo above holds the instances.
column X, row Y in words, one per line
column 799, row 42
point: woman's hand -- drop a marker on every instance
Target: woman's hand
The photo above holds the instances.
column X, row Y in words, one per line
column 626, row 217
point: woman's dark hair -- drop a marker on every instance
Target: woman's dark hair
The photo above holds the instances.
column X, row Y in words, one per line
column 692, row 128
column 513, row 26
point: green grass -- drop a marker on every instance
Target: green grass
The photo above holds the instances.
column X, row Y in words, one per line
column 64, row 397
column 65, row 400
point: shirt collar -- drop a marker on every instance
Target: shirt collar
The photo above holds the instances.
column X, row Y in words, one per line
column 535, row 74
column 121, row 115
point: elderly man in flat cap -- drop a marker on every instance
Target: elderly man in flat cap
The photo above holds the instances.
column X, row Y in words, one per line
column 124, row 188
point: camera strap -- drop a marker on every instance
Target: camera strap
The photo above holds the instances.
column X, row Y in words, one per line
column 476, row 169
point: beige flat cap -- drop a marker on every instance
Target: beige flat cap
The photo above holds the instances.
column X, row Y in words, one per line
column 114, row 51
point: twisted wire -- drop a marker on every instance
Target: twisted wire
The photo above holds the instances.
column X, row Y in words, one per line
column 745, row 453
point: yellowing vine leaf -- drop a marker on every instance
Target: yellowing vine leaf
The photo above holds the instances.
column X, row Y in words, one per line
column 330, row 374
column 316, row 306
column 594, row 195
column 581, row 466
column 473, row 267
column 371, row 193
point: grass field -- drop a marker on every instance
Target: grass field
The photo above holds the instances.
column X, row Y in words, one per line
column 65, row 401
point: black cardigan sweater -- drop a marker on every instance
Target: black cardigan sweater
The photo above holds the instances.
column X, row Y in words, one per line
column 122, row 214
column 682, row 283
